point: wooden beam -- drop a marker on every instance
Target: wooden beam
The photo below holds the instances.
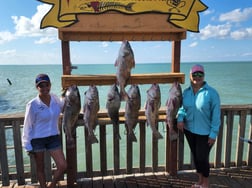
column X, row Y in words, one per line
column 114, row 26
column 109, row 79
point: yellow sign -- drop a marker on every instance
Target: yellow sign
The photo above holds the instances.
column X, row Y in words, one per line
column 181, row 13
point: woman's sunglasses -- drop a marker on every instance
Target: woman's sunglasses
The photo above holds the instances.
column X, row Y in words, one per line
column 198, row 74
column 43, row 85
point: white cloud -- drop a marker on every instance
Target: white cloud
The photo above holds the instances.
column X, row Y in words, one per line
column 6, row 36
column 46, row 40
column 237, row 15
column 193, row 44
column 207, row 12
column 218, row 31
column 30, row 27
column 242, row 34
column 8, row 53
column 247, row 54
column 105, row 44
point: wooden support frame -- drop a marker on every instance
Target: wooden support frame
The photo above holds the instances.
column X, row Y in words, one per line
column 114, row 26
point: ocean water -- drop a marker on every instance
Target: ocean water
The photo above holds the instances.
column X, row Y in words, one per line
column 231, row 79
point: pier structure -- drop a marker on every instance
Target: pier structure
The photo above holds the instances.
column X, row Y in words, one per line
column 170, row 172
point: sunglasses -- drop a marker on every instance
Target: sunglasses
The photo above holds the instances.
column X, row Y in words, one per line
column 198, row 74
column 43, row 85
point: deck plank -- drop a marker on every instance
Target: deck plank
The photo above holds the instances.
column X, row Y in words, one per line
column 108, row 182
column 223, row 178
column 119, row 181
column 97, row 182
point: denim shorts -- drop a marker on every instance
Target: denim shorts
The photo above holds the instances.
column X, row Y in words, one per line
column 49, row 143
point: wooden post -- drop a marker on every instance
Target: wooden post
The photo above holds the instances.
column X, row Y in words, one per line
column 171, row 154
column 176, row 51
column 66, row 57
column 71, row 157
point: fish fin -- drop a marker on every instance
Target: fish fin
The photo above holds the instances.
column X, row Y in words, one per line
column 84, row 108
column 116, row 63
column 173, row 136
column 152, row 106
column 124, row 96
column 117, row 135
column 92, row 139
column 146, row 104
column 133, row 63
column 132, row 137
column 158, row 135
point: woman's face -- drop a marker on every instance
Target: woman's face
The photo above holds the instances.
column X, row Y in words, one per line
column 44, row 88
column 197, row 79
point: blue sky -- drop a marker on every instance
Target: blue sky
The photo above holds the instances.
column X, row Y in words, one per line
column 225, row 35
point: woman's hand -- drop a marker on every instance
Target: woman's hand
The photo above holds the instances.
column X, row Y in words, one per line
column 211, row 141
column 180, row 126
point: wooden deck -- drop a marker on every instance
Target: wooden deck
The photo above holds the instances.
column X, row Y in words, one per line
column 231, row 178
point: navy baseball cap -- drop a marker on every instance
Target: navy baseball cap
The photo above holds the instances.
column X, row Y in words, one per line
column 42, row 78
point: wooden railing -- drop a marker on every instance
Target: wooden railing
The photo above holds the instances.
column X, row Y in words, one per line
column 229, row 150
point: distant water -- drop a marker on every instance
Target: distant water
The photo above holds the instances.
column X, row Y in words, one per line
column 231, row 79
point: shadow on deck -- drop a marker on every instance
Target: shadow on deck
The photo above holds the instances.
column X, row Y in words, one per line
column 232, row 178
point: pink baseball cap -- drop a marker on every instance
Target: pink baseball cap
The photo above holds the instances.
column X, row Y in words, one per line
column 197, row 68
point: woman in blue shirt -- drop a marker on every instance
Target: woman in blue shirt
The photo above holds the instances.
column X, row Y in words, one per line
column 199, row 119
column 41, row 132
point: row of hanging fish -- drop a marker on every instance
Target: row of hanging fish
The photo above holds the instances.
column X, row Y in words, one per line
column 72, row 109
column 124, row 63
column 133, row 105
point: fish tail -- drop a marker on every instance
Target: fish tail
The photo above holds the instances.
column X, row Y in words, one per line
column 129, row 7
column 173, row 135
column 70, row 143
column 157, row 135
column 118, row 136
column 132, row 137
column 116, row 131
column 123, row 95
column 92, row 139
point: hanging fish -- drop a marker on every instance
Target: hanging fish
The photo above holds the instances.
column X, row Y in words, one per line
column 113, row 105
column 90, row 111
column 133, row 105
column 173, row 104
column 152, row 106
column 124, row 63
column 70, row 113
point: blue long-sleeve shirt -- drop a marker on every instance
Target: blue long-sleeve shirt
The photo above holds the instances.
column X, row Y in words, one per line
column 201, row 111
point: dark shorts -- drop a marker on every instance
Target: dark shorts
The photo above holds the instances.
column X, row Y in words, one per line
column 47, row 143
